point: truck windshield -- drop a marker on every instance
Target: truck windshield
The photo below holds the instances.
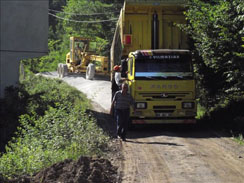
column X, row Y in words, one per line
column 164, row 67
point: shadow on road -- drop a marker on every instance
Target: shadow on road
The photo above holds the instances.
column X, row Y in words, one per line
column 177, row 130
column 154, row 143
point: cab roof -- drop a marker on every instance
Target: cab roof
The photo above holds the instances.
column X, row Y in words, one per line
column 148, row 53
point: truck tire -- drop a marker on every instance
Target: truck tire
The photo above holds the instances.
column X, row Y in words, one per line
column 65, row 70
column 62, row 70
column 90, row 71
column 59, row 69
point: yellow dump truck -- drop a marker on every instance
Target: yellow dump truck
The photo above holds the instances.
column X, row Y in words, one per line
column 159, row 64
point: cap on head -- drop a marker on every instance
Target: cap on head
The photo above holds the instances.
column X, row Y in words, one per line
column 116, row 68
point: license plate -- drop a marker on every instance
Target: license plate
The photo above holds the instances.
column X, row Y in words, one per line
column 162, row 114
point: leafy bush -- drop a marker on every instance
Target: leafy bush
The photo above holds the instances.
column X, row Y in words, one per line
column 57, row 54
column 230, row 114
column 50, row 93
column 55, row 127
column 216, row 27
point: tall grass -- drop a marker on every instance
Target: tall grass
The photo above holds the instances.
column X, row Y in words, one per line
column 54, row 127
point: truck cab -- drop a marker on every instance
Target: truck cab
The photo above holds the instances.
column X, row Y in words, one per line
column 162, row 85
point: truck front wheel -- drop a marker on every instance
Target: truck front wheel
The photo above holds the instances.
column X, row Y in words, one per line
column 65, row 70
column 59, row 69
column 90, row 71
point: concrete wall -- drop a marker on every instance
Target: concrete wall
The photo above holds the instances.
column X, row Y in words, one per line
column 23, row 34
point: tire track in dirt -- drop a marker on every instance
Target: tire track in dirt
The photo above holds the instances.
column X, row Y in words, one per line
column 142, row 163
column 173, row 157
column 226, row 164
column 184, row 165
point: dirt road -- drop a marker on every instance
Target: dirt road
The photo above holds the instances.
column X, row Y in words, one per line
column 169, row 154
column 174, row 155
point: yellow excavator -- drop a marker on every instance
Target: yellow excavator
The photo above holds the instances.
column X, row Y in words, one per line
column 82, row 58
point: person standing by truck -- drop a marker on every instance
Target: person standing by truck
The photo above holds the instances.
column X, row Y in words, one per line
column 117, row 80
column 121, row 103
column 114, row 86
column 117, row 76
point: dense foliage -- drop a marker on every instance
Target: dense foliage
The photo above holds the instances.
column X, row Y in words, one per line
column 54, row 126
column 216, row 28
column 89, row 13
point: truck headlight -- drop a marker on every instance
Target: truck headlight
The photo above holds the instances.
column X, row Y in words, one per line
column 141, row 105
column 188, row 105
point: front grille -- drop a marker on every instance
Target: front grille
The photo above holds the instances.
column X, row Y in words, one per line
column 164, row 96
column 167, row 111
column 164, row 107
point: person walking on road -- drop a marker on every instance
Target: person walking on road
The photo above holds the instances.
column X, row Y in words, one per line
column 121, row 103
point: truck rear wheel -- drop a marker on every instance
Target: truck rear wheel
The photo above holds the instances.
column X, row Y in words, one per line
column 62, row 70
column 65, row 70
column 90, row 71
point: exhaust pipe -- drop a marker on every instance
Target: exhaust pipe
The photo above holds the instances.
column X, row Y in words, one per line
column 155, row 36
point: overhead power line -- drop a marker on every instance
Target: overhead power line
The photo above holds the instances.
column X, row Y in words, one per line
column 93, row 14
column 78, row 21
column 26, row 51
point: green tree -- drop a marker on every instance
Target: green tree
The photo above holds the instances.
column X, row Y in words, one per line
column 54, row 6
column 216, row 28
column 92, row 12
